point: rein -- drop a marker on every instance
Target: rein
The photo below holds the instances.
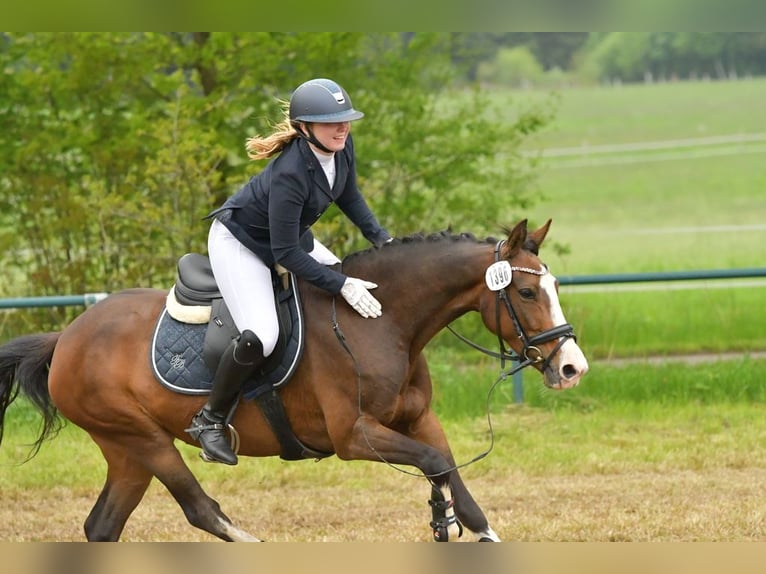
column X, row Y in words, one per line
column 531, row 353
column 342, row 339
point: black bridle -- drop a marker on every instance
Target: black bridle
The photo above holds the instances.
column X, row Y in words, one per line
column 530, row 352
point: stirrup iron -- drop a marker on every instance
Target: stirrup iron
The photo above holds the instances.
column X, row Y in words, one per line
column 234, row 441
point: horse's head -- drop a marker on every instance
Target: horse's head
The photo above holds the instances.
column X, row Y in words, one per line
column 522, row 303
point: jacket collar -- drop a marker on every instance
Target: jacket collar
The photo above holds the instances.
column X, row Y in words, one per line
column 316, row 171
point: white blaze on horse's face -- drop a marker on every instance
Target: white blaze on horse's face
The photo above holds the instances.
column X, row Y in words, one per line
column 570, row 362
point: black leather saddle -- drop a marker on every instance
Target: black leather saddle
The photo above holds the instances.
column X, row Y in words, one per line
column 196, row 286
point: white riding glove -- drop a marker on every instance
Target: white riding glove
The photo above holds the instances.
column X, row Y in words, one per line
column 355, row 292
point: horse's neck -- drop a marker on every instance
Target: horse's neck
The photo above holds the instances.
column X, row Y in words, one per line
column 431, row 284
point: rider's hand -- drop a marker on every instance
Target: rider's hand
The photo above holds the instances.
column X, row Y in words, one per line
column 355, row 291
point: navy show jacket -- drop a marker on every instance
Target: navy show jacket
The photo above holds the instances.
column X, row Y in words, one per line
column 273, row 212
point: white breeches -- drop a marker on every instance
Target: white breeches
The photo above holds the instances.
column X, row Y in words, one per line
column 245, row 283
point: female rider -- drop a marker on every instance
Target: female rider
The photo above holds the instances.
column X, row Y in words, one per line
column 267, row 222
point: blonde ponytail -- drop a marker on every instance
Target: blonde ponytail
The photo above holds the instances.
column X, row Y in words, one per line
column 265, row 147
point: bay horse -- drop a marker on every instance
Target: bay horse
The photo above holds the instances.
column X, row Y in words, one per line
column 363, row 396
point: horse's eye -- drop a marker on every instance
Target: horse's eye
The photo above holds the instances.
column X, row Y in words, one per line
column 527, row 293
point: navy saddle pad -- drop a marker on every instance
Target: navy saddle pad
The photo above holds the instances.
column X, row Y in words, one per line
column 178, row 362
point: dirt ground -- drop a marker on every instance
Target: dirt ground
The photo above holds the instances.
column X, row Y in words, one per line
column 717, row 505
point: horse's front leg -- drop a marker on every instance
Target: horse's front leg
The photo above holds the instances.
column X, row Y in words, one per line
column 368, row 439
column 453, row 494
column 426, row 428
column 371, row 440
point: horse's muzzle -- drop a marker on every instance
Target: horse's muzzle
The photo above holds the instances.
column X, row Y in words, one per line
column 566, row 368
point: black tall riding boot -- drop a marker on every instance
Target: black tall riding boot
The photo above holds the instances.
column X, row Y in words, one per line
column 209, row 426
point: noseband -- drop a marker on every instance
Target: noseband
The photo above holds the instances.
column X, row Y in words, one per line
column 498, row 279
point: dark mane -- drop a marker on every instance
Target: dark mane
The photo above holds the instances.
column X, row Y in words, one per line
column 421, row 238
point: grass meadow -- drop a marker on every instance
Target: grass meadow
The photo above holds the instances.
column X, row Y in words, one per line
column 640, row 451
column 635, row 454
column 686, row 213
column 647, row 112
column 638, row 211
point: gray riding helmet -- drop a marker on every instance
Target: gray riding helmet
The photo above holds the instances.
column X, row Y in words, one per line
column 322, row 101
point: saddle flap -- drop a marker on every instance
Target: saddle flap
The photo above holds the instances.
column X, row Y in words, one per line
column 220, row 331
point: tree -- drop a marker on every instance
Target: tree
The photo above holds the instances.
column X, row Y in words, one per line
column 633, row 56
column 115, row 145
column 556, row 49
column 86, row 120
column 511, row 67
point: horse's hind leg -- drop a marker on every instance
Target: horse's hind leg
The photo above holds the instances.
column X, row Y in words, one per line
column 128, row 477
column 126, row 483
column 200, row 510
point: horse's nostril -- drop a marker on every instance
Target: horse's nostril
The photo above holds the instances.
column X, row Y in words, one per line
column 568, row 371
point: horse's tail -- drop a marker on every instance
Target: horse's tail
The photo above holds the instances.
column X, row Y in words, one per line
column 24, row 364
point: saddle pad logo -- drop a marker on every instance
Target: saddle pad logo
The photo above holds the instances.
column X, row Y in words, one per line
column 177, row 362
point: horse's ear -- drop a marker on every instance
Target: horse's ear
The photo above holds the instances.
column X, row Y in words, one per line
column 536, row 238
column 515, row 241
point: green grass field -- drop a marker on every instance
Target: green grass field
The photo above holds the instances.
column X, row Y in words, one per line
column 646, row 112
column 722, row 395
column 650, row 214
column 463, row 392
column 649, row 453
column 657, row 216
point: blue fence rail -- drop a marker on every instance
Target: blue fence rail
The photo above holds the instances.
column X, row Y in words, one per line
column 86, row 300
column 518, row 391
column 91, row 298
column 662, row 276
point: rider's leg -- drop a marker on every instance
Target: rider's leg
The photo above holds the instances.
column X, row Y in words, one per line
column 245, row 284
column 243, row 355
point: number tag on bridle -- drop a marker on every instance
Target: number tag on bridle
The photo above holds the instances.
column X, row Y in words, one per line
column 498, row 275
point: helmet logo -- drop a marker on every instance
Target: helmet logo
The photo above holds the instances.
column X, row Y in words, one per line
column 339, row 97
